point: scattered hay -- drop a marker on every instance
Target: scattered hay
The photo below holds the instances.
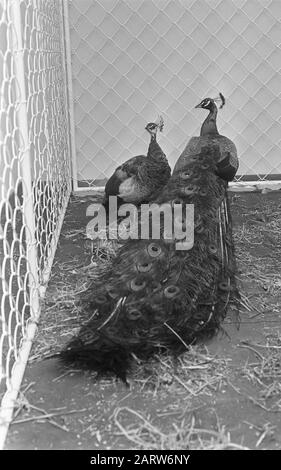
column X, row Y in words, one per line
column 143, row 433
column 197, row 376
column 62, row 316
column 193, row 374
column 266, row 373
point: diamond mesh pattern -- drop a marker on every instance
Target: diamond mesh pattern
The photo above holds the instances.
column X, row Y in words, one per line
column 34, row 170
column 134, row 58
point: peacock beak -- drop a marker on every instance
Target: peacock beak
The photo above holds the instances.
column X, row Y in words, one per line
column 198, row 105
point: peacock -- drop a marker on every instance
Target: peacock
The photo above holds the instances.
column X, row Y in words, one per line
column 155, row 296
column 139, row 177
column 135, row 181
column 228, row 165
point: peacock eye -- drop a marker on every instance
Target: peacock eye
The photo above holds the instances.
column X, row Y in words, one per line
column 154, row 250
column 133, row 314
column 186, row 174
column 190, row 189
column 171, row 291
column 137, row 285
column 100, row 299
column 144, row 267
column 204, row 166
column 203, row 192
column 212, row 249
column 224, row 286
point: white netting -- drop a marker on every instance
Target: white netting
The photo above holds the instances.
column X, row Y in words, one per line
column 134, row 58
column 34, row 171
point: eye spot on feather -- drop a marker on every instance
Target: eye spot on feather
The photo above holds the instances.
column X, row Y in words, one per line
column 205, row 166
column 144, row 267
column 212, row 249
column 133, row 314
column 100, row 299
column 185, row 175
column 136, row 285
column 154, row 250
column 171, row 291
column 224, row 286
column 203, row 192
column 190, row 189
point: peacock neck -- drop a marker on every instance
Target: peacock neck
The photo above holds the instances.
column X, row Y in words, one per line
column 209, row 126
column 155, row 153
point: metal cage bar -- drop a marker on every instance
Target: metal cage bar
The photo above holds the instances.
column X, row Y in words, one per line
column 35, row 175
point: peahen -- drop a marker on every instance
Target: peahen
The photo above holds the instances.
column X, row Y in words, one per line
column 153, row 296
column 139, row 177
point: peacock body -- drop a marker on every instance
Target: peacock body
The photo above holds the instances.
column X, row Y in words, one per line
column 139, row 177
column 154, row 296
column 228, row 164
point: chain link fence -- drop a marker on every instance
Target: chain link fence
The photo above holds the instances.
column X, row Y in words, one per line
column 35, row 174
column 132, row 59
column 121, row 62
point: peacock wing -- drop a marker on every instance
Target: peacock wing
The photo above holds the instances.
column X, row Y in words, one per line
column 190, row 149
column 123, row 172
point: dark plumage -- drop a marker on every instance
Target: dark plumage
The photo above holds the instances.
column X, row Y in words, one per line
column 155, row 297
column 139, row 177
column 209, row 135
column 226, row 166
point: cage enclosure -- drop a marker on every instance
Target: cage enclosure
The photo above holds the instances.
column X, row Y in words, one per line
column 79, row 81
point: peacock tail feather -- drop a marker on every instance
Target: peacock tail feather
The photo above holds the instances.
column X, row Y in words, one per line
column 154, row 296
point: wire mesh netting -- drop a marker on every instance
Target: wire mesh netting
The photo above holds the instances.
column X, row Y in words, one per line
column 34, row 173
column 132, row 59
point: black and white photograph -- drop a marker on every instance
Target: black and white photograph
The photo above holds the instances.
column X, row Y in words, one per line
column 140, row 228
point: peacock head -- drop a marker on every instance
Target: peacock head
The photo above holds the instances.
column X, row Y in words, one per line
column 210, row 103
column 152, row 127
